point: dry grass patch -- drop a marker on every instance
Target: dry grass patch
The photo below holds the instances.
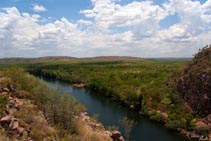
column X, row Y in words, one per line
column 87, row 133
column 34, row 121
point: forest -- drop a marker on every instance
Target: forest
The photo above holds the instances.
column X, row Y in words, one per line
column 145, row 86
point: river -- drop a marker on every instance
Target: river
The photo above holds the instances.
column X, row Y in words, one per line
column 110, row 113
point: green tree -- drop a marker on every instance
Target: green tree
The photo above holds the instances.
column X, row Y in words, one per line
column 128, row 125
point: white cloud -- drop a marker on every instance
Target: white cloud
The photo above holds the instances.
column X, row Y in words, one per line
column 107, row 14
column 110, row 28
column 84, row 22
column 194, row 20
column 39, row 8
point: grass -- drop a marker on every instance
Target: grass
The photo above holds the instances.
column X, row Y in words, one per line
column 3, row 101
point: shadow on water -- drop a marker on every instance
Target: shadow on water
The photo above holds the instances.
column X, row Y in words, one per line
column 110, row 113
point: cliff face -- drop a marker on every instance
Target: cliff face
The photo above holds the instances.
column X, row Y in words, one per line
column 194, row 86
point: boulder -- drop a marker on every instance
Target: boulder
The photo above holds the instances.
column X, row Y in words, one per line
column 14, row 103
column 84, row 116
column 121, row 139
column 116, row 135
column 29, row 139
column 10, row 87
column 16, row 93
column 14, row 124
column 108, row 133
column 6, row 119
column 194, row 136
column 79, row 85
column 18, row 103
column 207, row 120
column 94, row 125
column 21, row 130
column 3, row 93
column 10, row 111
column 5, row 90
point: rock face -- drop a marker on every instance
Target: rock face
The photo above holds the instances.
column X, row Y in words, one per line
column 8, row 121
column 98, row 129
column 194, row 86
column 116, row 136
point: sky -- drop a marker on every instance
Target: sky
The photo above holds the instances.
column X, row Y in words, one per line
column 87, row 28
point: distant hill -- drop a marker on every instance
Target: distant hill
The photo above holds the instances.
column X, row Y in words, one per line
column 55, row 58
column 97, row 58
column 40, row 59
column 66, row 58
column 170, row 59
column 112, row 58
column 6, row 60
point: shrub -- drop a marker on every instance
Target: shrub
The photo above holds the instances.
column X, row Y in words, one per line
column 3, row 101
column 58, row 108
column 174, row 121
column 158, row 117
column 202, row 129
column 167, row 99
column 175, row 124
column 128, row 126
column 112, row 128
column 189, row 124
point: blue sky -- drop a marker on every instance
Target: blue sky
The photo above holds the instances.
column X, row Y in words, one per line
column 70, row 9
column 81, row 28
column 56, row 8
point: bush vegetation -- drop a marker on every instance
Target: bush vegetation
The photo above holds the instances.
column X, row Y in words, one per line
column 132, row 83
column 146, row 85
column 59, row 109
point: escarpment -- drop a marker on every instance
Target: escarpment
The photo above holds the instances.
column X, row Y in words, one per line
column 194, row 86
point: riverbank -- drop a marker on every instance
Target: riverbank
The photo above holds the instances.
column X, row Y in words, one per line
column 20, row 118
column 79, row 85
column 98, row 129
column 158, row 116
column 111, row 113
column 200, row 127
column 146, row 86
column 23, row 118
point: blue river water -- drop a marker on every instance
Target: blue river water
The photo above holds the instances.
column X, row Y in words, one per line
column 111, row 113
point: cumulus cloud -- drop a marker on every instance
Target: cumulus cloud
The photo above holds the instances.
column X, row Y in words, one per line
column 194, row 20
column 22, row 35
column 142, row 16
column 21, row 32
column 39, row 8
column 110, row 28
column 84, row 22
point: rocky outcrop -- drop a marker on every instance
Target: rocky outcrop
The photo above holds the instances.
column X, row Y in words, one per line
column 194, row 86
column 8, row 121
column 97, row 128
column 116, row 136
column 207, row 120
column 79, row 85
